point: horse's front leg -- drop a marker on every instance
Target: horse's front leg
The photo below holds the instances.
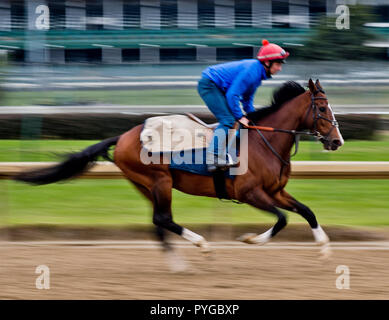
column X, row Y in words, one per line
column 259, row 199
column 285, row 201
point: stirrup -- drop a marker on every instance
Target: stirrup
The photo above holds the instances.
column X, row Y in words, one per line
column 211, row 167
column 230, row 161
column 225, row 166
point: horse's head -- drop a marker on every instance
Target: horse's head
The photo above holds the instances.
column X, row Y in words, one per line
column 320, row 118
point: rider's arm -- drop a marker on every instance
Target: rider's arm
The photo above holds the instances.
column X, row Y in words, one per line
column 238, row 87
column 248, row 100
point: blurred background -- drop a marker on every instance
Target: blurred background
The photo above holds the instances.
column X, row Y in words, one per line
column 75, row 72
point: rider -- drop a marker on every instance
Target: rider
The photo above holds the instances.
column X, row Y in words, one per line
column 224, row 86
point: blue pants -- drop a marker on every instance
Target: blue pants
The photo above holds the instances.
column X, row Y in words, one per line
column 216, row 101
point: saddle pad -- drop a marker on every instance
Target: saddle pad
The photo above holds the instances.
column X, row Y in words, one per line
column 194, row 162
column 174, row 133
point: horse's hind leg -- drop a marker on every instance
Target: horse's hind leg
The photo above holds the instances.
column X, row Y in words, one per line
column 285, row 201
column 175, row 261
column 162, row 216
column 160, row 232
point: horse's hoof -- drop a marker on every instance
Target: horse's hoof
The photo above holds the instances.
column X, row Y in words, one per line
column 324, row 241
column 325, row 252
column 176, row 263
column 205, row 248
column 247, row 238
column 252, row 238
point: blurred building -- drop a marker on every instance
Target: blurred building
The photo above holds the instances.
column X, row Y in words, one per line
column 122, row 31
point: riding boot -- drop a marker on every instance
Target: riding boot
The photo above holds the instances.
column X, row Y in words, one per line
column 215, row 149
column 217, row 156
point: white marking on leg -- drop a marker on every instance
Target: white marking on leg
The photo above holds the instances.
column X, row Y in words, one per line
column 252, row 238
column 322, row 239
column 263, row 237
column 191, row 236
column 320, row 236
column 196, row 239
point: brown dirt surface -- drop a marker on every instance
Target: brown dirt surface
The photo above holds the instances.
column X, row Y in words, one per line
column 93, row 272
column 293, row 232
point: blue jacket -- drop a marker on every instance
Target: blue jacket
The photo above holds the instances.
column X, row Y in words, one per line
column 238, row 80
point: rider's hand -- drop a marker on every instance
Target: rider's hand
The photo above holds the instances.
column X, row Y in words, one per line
column 244, row 121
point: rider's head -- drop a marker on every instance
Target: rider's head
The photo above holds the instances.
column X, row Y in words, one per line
column 272, row 57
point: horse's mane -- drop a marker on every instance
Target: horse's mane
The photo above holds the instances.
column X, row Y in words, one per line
column 286, row 92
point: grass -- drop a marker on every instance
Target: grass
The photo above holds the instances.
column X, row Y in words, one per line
column 48, row 150
column 116, row 202
column 337, row 95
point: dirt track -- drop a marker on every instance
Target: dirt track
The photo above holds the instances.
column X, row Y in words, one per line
column 130, row 272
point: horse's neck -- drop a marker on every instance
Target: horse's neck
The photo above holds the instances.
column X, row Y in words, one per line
column 288, row 117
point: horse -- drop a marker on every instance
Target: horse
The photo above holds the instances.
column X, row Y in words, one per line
column 293, row 108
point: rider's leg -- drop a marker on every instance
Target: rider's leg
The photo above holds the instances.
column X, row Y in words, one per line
column 217, row 148
column 217, row 103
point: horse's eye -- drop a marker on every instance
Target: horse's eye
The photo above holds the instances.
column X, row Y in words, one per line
column 322, row 109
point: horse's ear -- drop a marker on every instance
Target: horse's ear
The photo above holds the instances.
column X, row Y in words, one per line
column 312, row 86
column 318, row 85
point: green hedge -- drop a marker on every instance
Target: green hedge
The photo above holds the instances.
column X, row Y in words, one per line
column 91, row 127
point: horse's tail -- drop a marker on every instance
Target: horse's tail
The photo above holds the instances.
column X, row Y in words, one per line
column 73, row 166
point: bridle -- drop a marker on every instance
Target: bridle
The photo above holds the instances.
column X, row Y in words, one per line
column 296, row 134
column 317, row 116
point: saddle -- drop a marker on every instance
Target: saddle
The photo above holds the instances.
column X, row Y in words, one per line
column 176, row 133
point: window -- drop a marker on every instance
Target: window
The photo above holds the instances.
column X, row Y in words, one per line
column 57, row 15
column 243, row 14
column 317, row 9
column 168, row 13
column 130, row 55
column 18, row 19
column 83, row 55
column 94, row 15
column 206, row 11
column 131, row 14
column 280, row 13
column 382, row 13
column 230, row 54
column 178, row 54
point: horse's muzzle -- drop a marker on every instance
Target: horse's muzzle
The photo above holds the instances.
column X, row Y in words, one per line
column 335, row 144
column 331, row 144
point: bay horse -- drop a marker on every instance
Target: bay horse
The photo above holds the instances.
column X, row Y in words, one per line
column 262, row 186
